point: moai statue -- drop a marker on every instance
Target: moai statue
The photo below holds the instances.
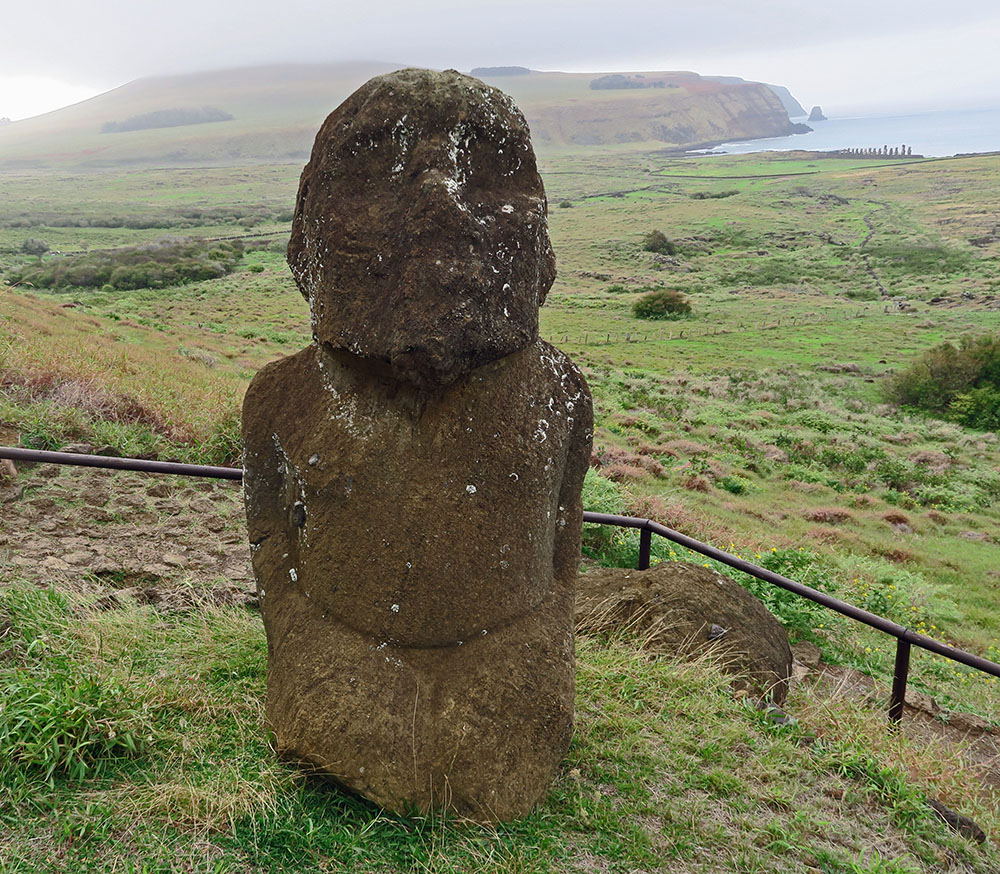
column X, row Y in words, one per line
column 413, row 476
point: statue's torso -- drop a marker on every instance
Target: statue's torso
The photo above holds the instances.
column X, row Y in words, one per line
column 420, row 519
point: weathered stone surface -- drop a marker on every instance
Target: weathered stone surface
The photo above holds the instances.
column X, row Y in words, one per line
column 8, row 473
column 420, row 236
column 413, row 477
column 675, row 606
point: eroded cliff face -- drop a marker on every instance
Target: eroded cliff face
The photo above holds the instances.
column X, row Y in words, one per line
column 687, row 115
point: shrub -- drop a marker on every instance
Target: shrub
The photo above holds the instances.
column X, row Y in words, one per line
column 736, row 484
column 664, row 303
column 164, row 262
column 657, row 241
column 34, row 246
column 919, row 260
column 714, row 195
column 166, row 118
column 961, row 383
column 979, row 408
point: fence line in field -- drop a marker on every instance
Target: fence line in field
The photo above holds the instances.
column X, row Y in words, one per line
column 606, row 338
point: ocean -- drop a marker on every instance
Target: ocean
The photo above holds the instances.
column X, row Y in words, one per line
column 934, row 134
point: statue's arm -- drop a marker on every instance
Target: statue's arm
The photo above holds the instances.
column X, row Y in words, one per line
column 568, row 535
column 265, row 492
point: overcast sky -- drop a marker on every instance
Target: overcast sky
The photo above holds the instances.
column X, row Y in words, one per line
column 850, row 56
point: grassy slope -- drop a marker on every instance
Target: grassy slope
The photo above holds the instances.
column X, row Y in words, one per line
column 162, row 766
column 674, row 416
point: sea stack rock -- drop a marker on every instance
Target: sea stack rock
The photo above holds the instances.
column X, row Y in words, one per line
column 816, row 114
column 413, row 476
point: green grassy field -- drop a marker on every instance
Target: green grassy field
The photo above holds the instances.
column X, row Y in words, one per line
column 759, row 424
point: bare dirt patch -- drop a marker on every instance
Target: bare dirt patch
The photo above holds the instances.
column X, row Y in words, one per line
column 174, row 540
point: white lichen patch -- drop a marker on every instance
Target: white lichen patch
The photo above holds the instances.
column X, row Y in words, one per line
column 345, row 409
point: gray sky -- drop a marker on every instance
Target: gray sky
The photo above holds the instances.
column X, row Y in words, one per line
column 850, row 56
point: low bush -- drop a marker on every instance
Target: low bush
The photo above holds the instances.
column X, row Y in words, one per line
column 919, row 259
column 663, row 303
column 168, row 261
column 166, row 118
column 34, row 246
column 736, row 484
column 958, row 382
column 714, row 195
column 657, row 241
column 979, row 408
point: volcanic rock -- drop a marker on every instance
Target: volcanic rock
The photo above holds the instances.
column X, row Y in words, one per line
column 412, row 478
column 679, row 608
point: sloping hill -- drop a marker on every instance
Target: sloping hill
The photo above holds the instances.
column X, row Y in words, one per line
column 277, row 109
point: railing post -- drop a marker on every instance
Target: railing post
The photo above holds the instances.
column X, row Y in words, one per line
column 899, row 675
column 645, row 542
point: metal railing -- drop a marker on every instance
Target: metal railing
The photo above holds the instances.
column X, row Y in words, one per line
column 905, row 637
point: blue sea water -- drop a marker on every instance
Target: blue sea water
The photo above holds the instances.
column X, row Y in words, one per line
column 933, row 134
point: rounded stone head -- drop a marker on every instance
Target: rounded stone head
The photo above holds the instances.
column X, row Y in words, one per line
column 420, row 236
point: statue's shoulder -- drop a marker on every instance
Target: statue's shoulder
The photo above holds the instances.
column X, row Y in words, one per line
column 278, row 379
column 279, row 393
column 555, row 364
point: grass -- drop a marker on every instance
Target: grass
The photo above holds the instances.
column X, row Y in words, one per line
column 764, row 430
column 668, row 771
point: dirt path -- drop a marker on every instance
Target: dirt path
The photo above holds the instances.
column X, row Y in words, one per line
column 923, row 719
column 167, row 540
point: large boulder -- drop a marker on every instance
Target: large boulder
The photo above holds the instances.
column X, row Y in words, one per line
column 682, row 608
column 413, row 477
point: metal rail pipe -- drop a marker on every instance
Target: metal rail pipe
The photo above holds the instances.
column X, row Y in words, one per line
column 822, row 598
column 36, row 456
column 905, row 637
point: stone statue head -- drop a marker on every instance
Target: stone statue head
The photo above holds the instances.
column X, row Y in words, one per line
column 420, row 236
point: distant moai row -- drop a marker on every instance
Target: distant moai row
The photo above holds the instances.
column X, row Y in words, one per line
column 903, row 151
